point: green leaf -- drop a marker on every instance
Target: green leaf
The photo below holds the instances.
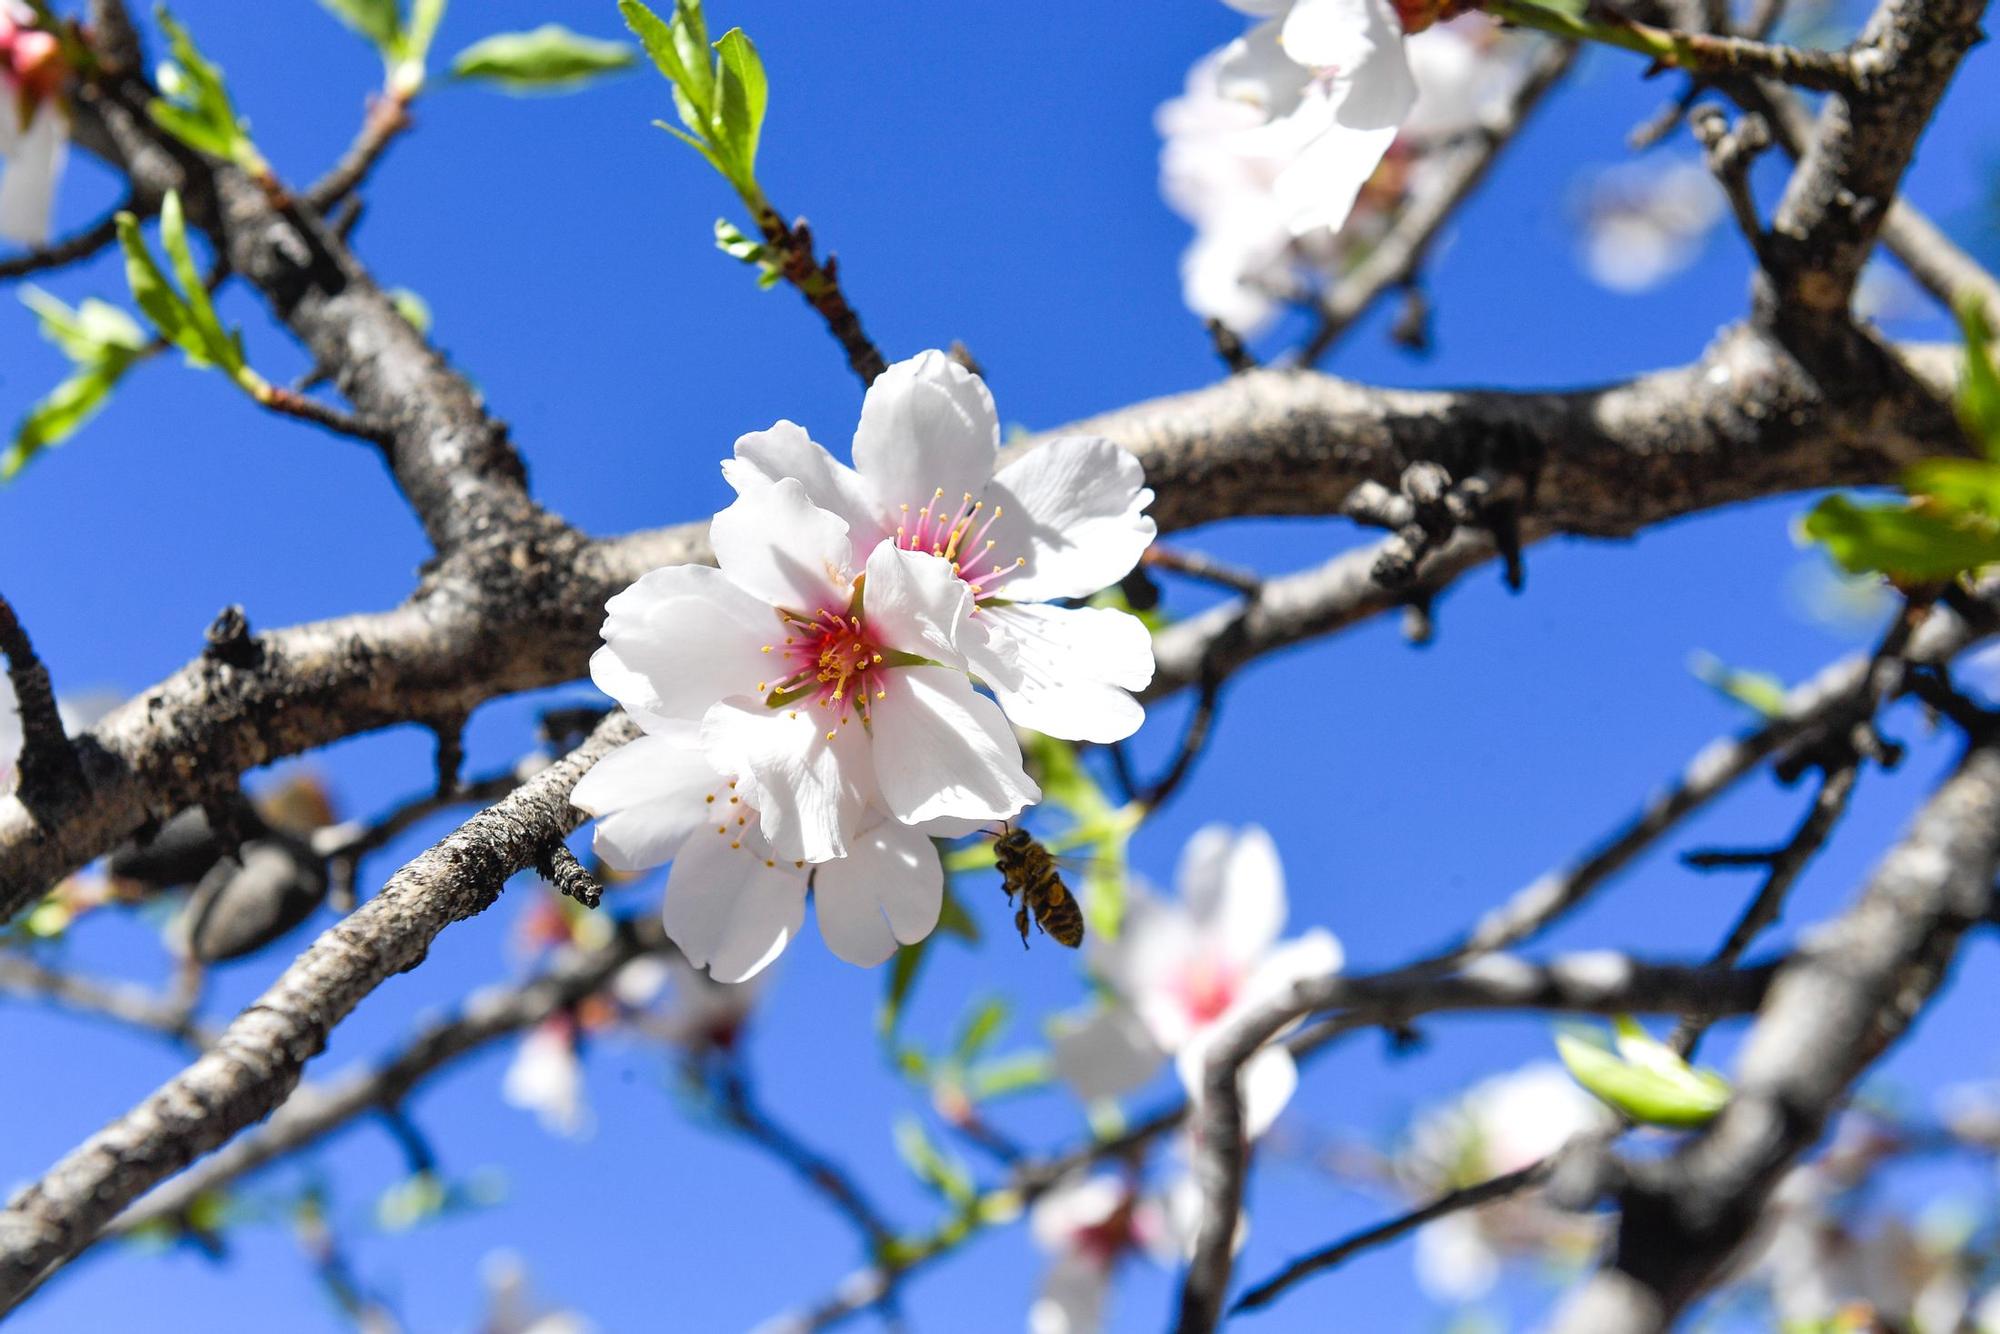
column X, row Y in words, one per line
column 909, row 961
column 745, row 92
column 954, row 920
column 62, row 412
column 1979, row 386
column 412, row 307
column 150, row 288
column 1969, row 485
column 1641, row 1077
column 1023, row 1072
column 550, row 58
column 218, row 346
column 731, row 241
column 981, row 1025
column 657, row 36
column 425, row 15
column 376, row 20
column 930, row 1165
column 197, row 109
column 1759, row 691
column 697, row 145
column 1902, row 540
column 86, row 333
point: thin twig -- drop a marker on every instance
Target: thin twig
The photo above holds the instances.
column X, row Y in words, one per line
column 388, row 116
column 1829, row 803
column 819, row 283
column 49, row 769
column 739, row 1107
column 73, row 249
column 1451, row 1202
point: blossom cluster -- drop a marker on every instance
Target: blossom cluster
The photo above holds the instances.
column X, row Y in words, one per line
column 837, row 690
column 34, row 125
column 1291, row 146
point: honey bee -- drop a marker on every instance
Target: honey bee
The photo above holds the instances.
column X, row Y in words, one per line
column 1028, row 871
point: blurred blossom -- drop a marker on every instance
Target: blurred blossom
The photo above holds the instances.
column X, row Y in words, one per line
column 1498, row 1126
column 1885, row 294
column 511, row 1307
column 1186, row 970
column 705, row 1015
column 1643, row 222
column 1242, row 160
column 1825, row 1262
column 546, row 1078
column 34, row 124
column 1087, row 1226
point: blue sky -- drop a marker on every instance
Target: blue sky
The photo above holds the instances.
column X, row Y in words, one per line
column 986, row 173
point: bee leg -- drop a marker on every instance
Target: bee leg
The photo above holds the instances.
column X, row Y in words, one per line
column 1021, row 924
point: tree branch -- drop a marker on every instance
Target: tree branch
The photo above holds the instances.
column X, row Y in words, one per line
column 257, row 1060
column 1850, row 991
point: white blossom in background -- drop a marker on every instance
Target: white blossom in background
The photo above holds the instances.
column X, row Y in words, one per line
column 34, row 125
column 1187, row 969
column 702, row 1015
column 546, row 1078
column 511, row 1307
column 1643, row 222
column 733, row 903
column 1224, row 153
column 1498, row 1126
column 1064, row 520
column 1087, row 1226
column 1825, row 1260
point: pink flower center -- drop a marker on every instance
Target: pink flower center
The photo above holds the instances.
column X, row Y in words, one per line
column 959, row 537
column 1103, row 1242
column 31, row 60
column 832, row 662
column 1207, row 989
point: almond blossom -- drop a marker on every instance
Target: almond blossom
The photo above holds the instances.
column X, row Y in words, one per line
column 1187, row 970
column 829, row 686
column 1224, row 154
column 1087, row 1226
column 546, row 1078
column 733, row 903
column 34, row 126
column 1500, row 1125
column 1642, row 223
column 1063, row 521
column 1339, row 67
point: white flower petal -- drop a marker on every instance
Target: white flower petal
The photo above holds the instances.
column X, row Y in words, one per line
column 915, row 603
column 1256, row 69
column 728, row 910
column 1235, row 887
column 809, row 789
column 1072, row 667
column 33, row 168
column 775, row 543
column 1359, row 43
column 941, row 749
column 679, row 639
column 1317, row 189
column 886, row 892
column 764, row 458
column 927, row 425
column 1072, row 1298
column 1266, row 1081
column 1313, row 955
column 1074, row 511
column 648, row 797
column 1104, row 1053
column 1259, row 7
